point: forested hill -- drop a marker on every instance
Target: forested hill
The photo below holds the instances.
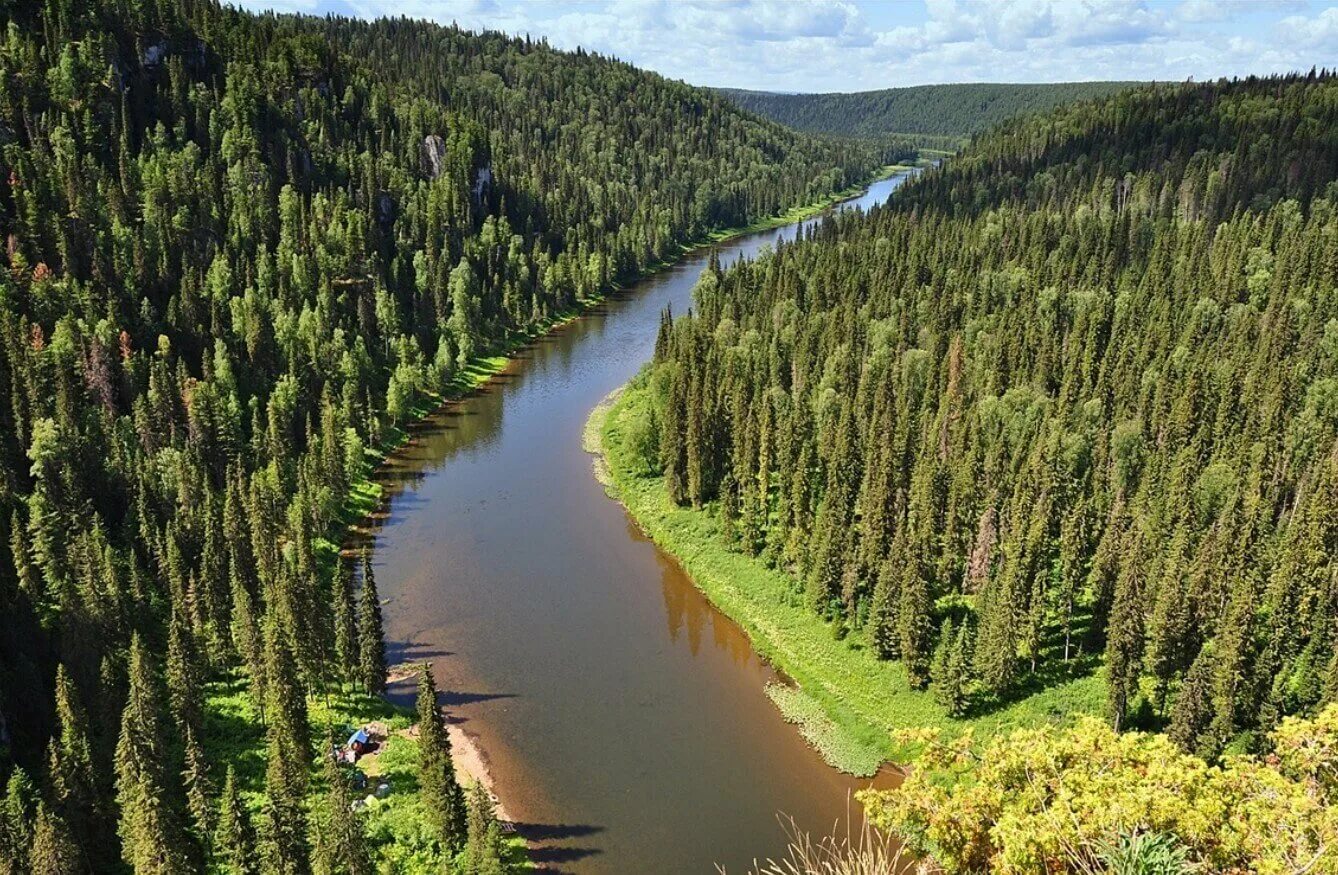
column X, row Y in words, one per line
column 1069, row 404
column 237, row 248
column 948, row 112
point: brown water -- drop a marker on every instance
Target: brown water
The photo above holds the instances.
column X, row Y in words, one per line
column 624, row 718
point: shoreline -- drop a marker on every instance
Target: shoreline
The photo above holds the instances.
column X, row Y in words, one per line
column 846, row 704
column 362, row 504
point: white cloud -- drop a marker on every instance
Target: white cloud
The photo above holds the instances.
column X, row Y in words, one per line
column 828, row 45
column 1319, row 33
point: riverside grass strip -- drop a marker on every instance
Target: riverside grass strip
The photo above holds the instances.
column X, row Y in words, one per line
column 847, row 703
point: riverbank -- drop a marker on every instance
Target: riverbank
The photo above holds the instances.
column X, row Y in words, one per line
column 394, row 819
column 846, row 703
column 365, row 494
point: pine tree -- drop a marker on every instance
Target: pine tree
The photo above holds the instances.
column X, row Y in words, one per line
column 152, row 836
column 54, row 851
column 443, row 800
column 371, row 643
column 234, row 839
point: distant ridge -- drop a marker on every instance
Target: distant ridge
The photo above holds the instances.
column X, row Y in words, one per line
column 948, row 111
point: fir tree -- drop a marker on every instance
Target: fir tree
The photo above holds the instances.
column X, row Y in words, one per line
column 371, row 643
column 341, row 845
column 152, row 836
column 54, row 851
column 443, row 800
column 483, row 847
column 234, row 840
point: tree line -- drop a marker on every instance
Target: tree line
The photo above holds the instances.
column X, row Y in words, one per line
column 936, row 116
column 1067, row 403
column 237, row 248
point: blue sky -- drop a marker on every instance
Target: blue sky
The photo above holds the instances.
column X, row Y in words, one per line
column 851, row 45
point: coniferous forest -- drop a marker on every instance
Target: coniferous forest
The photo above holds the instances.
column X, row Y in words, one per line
column 1064, row 405
column 932, row 115
column 239, row 250
column 1064, row 410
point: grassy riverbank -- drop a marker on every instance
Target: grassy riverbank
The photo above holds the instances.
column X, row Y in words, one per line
column 846, row 702
column 365, row 493
column 396, row 826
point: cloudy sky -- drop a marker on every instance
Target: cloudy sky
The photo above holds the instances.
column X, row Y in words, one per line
column 851, row 45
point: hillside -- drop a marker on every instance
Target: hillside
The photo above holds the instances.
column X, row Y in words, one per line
column 942, row 115
column 241, row 251
column 1062, row 410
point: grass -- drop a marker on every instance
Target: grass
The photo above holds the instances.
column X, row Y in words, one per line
column 396, row 827
column 847, row 702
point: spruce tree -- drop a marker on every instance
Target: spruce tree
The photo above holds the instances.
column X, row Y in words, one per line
column 185, row 679
column 346, row 643
column 371, row 643
column 284, row 848
column 1124, row 641
column 199, row 788
column 341, row 844
column 916, row 627
column 17, row 813
column 483, row 846
column 234, row 842
column 151, row 827
column 443, row 800
column 73, row 785
column 54, row 851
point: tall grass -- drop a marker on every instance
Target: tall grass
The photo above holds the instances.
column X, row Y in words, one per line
column 863, row 851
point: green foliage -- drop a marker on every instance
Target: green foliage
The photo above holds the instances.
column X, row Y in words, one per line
column 1075, row 380
column 1142, row 854
column 242, row 252
column 1086, row 799
column 926, row 115
column 848, row 700
column 442, row 797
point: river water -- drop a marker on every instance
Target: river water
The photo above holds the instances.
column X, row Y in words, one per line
column 624, row 719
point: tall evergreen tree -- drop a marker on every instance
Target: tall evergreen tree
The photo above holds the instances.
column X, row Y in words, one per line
column 443, row 800
column 153, row 840
column 234, row 842
column 54, row 851
column 341, row 845
column 371, row 640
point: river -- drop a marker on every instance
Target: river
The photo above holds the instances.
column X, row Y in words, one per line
column 623, row 718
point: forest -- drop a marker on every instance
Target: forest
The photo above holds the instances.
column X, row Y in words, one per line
column 935, row 116
column 241, row 251
column 1064, row 406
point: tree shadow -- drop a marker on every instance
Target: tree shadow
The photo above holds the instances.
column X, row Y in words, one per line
column 547, row 832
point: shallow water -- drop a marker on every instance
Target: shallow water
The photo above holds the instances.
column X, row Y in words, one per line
column 624, row 718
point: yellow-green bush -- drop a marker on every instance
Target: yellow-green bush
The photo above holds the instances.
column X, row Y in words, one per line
column 1056, row 800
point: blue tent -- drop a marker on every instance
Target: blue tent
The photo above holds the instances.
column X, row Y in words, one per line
column 359, row 737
